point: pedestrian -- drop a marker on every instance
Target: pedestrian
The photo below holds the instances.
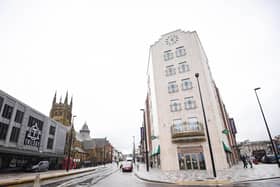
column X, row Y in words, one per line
column 243, row 159
column 250, row 160
column 151, row 164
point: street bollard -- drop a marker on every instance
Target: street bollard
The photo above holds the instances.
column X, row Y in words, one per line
column 37, row 181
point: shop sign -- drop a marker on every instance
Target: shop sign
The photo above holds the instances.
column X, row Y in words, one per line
column 33, row 136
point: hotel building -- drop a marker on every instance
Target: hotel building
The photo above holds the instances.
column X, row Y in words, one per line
column 175, row 127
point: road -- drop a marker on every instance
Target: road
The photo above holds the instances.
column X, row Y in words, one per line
column 261, row 183
column 112, row 176
column 119, row 179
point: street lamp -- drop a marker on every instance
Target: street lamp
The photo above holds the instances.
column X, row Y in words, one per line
column 70, row 143
column 268, row 131
column 145, row 139
column 206, row 126
column 134, row 149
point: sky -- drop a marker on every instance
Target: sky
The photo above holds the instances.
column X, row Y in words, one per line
column 98, row 52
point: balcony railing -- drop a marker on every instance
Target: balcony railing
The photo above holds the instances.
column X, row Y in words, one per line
column 187, row 132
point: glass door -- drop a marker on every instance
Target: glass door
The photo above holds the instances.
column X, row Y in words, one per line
column 191, row 161
column 194, row 161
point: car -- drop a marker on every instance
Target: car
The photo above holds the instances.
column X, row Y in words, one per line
column 13, row 163
column 127, row 166
column 40, row 166
column 269, row 159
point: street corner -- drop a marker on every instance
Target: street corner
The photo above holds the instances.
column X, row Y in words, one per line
column 204, row 182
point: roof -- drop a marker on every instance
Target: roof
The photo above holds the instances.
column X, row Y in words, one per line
column 85, row 127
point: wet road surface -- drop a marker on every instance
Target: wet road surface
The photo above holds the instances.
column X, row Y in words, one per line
column 119, row 179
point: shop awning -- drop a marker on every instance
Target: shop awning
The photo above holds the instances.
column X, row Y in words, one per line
column 156, row 150
column 226, row 148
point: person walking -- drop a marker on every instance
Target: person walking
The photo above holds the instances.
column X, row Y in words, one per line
column 250, row 160
column 243, row 159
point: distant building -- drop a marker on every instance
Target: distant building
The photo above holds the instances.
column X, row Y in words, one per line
column 84, row 133
column 100, row 151
column 62, row 112
column 176, row 133
column 249, row 147
column 85, row 151
column 27, row 135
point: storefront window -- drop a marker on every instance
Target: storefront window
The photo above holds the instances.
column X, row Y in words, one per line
column 201, row 161
column 191, row 161
column 181, row 159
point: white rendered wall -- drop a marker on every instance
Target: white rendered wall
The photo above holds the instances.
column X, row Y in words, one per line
column 163, row 117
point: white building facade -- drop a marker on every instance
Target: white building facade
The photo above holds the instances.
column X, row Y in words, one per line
column 178, row 134
column 26, row 135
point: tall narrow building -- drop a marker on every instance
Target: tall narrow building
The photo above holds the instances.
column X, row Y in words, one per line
column 174, row 114
column 62, row 111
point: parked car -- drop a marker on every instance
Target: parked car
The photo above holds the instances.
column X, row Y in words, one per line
column 127, row 166
column 40, row 166
column 270, row 159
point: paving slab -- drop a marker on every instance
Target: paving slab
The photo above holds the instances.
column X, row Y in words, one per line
column 198, row 177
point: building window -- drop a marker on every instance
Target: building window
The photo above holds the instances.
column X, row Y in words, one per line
column 52, row 130
column 8, row 111
column 1, row 102
column 34, row 121
column 19, row 116
column 177, row 125
column 189, row 103
column 15, row 134
column 180, row 51
column 175, row 105
column 3, row 130
column 183, row 67
column 193, row 124
column 172, row 87
column 186, row 84
column 50, row 143
column 170, row 70
column 168, row 55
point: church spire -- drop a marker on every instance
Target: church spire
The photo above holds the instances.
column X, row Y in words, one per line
column 71, row 102
column 66, row 98
column 54, row 98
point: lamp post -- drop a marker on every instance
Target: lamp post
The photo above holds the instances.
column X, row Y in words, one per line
column 145, row 139
column 268, row 131
column 70, row 143
column 134, row 149
column 206, row 126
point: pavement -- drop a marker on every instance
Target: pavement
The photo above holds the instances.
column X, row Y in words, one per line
column 235, row 174
column 9, row 179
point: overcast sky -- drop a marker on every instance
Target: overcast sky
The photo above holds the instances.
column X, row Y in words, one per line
column 98, row 51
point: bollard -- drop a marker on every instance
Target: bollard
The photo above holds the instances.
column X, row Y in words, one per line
column 37, row 181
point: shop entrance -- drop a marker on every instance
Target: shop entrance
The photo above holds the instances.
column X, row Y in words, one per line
column 191, row 158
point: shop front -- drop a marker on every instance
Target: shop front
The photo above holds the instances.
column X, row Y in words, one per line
column 191, row 158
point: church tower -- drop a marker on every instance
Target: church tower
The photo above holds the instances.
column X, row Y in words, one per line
column 62, row 112
column 85, row 132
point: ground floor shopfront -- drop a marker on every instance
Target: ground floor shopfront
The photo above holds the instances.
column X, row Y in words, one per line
column 193, row 158
column 18, row 159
